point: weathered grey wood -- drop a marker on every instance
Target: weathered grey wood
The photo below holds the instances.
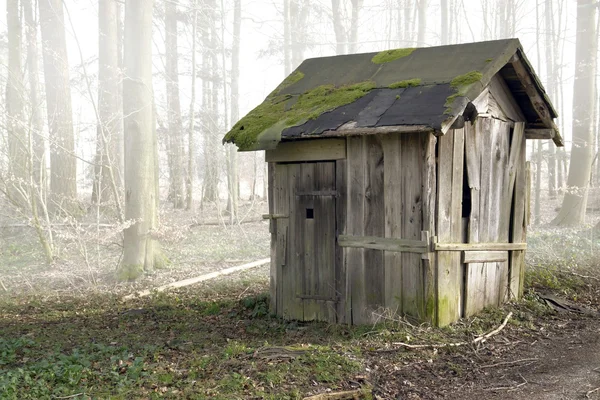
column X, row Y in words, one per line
column 351, row 129
column 274, row 216
column 411, row 177
column 481, row 101
column 273, row 230
column 355, row 266
column 428, row 260
column 317, row 193
column 491, row 246
column 450, row 271
column 307, row 150
column 539, row 133
column 484, row 256
column 343, row 310
column 393, row 220
column 518, row 217
column 387, row 244
column 505, row 100
column 537, row 100
column 286, row 305
column 374, row 222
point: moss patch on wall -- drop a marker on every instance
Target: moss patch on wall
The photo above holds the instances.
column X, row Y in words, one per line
column 405, row 83
column 291, row 110
column 391, row 55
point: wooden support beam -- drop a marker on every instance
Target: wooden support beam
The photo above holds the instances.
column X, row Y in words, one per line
column 537, row 99
column 479, row 246
column 540, row 133
column 351, row 129
column 308, row 150
column 378, row 243
column 484, row 256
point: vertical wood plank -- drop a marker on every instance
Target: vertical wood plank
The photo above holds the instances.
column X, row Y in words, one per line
column 355, row 267
column 374, row 225
column 342, row 306
column 517, row 258
column 451, row 153
column 273, row 232
column 287, row 305
column 411, row 169
column 393, row 219
column 429, row 213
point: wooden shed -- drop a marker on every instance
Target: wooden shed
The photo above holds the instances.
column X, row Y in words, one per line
column 398, row 181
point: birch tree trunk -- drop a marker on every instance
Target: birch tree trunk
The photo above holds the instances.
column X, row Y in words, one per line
column 173, row 107
column 232, row 170
column 110, row 124
column 287, row 39
column 189, row 182
column 574, row 203
column 422, row 23
column 354, row 22
column 15, row 121
column 550, row 87
column 63, row 174
column 444, row 24
column 338, row 27
column 37, row 123
column 140, row 249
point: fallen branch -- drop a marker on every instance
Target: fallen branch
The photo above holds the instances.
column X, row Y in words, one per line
column 201, row 278
column 591, row 391
column 347, row 395
column 508, row 363
column 478, row 339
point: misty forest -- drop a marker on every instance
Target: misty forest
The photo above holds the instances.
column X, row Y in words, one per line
column 138, row 247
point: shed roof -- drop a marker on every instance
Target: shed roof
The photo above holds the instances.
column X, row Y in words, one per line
column 423, row 89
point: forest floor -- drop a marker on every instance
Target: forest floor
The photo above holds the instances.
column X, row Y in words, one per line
column 66, row 332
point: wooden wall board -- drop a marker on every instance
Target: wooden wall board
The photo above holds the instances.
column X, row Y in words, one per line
column 428, row 260
column 343, row 309
column 518, row 216
column 308, row 150
column 355, row 261
column 273, row 231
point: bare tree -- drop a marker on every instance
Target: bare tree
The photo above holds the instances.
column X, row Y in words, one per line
column 550, row 87
column 346, row 39
column 574, row 203
column 189, row 181
column 422, row 22
column 140, row 247
column 175, row 135
column 63, row 174
column 110, row 114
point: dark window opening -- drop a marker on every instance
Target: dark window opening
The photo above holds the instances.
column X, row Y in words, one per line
column 310, row 213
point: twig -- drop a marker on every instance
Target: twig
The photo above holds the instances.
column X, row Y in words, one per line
column 584, row 276
column 587, row 395
column 509, row 362
column 478, row 339
column 350, row 394
column 3, row 287
column 510, row 388
column 69, row 397
column 202, row 278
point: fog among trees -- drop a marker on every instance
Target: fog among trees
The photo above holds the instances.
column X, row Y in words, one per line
column 113, row 112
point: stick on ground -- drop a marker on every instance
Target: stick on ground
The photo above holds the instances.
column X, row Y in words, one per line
column 201, row 278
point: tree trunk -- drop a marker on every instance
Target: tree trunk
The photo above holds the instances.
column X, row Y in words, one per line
column 338, row 27
column 232, row 173
column 37, row 123
column 110, row 124
column 287, row 39
column 550, row 87
column 63, row 173
column 574, row 204
column 15, row 121
column 353, row 45
column 422, row 23
column 189, row 182
column 140, row 252
column 173, row 107
column 444, row 16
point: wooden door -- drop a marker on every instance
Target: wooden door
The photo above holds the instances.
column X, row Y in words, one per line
column 307, row 284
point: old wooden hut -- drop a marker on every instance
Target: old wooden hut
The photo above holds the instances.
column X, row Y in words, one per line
column 398, row 181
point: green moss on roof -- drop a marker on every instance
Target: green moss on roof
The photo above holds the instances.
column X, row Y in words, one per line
column 289, row 81
column 288, row 110
column 406, row 83
column 391, row 55
column 467, row 79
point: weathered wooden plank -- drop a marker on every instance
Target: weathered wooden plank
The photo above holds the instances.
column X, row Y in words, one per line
column 429, row 216
column 539, row 133
column 343, row 309
column 489, row 246
column 484, row 256
column 450, row 271
column 392, row 192
column 411, row 177
column 351, row 129
column 387, row 244
column 474, row 272
column 374, row 222
column 355, row 265
column 504, row 99
column 518, row 216
column 273, row 230
column 308, row 150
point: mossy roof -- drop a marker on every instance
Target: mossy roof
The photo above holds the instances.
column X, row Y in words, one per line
column 423, row 86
